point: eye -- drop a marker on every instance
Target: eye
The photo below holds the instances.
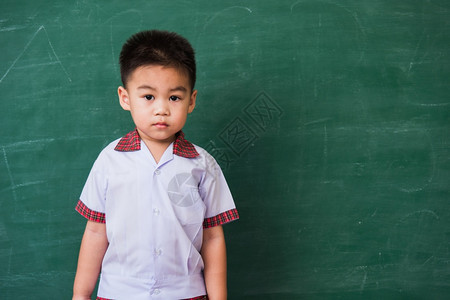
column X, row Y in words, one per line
column 174, row 98
column 149, row 97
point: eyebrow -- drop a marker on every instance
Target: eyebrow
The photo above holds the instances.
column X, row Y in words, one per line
column 175, row 89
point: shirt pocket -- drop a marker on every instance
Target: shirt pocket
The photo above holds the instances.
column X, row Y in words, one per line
column 187, row 204
column 192, row 209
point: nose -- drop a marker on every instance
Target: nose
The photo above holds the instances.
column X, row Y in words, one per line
column 161, row 108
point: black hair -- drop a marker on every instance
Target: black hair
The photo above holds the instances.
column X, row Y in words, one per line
column 157, row 47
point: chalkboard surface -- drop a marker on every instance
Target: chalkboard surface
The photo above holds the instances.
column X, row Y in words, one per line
column 330, row 120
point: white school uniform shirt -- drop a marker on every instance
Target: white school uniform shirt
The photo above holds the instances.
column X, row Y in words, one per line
column 154, row 215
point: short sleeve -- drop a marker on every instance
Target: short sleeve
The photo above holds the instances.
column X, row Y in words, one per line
column 92, row 200
column 216, row 195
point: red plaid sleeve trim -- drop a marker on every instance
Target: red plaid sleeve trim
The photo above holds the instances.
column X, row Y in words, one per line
column 220, row 219
column 130, row 142
column 89, row 214
column 184, row 148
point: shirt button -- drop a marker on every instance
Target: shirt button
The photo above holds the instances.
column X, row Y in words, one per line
column 157, row 171
column 156, row 292
column 158, row 252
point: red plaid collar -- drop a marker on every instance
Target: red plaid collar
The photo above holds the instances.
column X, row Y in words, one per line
column 181, row 147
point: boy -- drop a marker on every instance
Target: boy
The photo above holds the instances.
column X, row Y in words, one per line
column 155, row 203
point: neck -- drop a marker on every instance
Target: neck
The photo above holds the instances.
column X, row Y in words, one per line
column 157, row 149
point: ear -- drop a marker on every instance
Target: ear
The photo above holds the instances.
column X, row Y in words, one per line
column 192, row 101
column 124, row 99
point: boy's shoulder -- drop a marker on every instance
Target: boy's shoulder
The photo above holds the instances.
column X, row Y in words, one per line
column 201, row 151
column 205, row 158
column 112, row 145
column 108, row 150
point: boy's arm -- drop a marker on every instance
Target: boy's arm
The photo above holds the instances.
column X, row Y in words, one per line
column 92, row 250
column 215, row 260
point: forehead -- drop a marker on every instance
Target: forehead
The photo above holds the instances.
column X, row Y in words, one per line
column 159, row 75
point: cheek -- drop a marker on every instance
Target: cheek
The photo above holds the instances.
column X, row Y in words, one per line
column 181, row 117
column 138, row 114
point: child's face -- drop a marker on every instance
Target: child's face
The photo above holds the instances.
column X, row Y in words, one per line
column 159, row 99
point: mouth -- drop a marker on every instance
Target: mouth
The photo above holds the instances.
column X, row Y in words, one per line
column 160, row 125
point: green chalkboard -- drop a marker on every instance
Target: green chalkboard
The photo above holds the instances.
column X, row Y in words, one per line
column 329, row 118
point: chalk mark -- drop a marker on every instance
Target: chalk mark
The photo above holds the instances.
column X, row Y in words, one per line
column 26, row 48
column 37, row 65
column 12, row 188
column 429, row 259
column 364, row 280
column 420, row 212
column 29, row 183
column 433, row 104
column 10, row 259
column 325, row 143
column 224, row 10
column 135, row 15
column 353, row 15
column 414, row 60
column 112, row 46
column 317, row 121
column 12, row 28
column 11, row 178
column 26, row 143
